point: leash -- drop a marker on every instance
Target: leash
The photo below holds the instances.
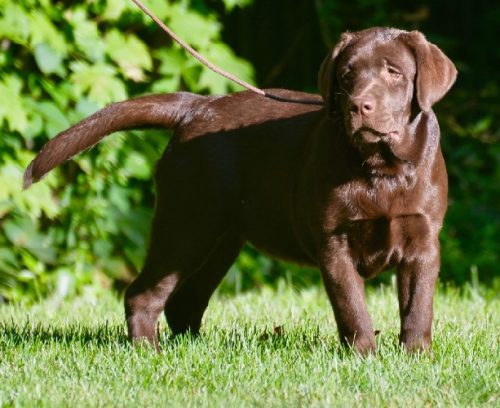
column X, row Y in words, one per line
column 216, row 69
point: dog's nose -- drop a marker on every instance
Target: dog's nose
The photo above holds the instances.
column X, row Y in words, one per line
column 364, row 105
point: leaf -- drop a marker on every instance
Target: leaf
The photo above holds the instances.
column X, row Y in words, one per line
column 213, row 82
column 172, row 61
column 54, row 119
column 129, row 53
column 44, row 31
column 119, row 198
column 35, row 126
column 8, row 261
column 98, row 82
column 115, row 8
column 137, row 166
column 14, row 23
column 482, row 125
column 35, row 201
column 166, row 85
column 13, row 112
column 222, row 56
column 60, row 92
column 137, row 225
column 86, row 34
column 159, row 7
column 192, row 27
column 48, row 60
column 85, row 108
column 23, row 233
column 231, row 4
column 19, row 231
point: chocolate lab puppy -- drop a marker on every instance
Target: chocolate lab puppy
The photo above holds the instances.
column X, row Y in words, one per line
column 355, row 187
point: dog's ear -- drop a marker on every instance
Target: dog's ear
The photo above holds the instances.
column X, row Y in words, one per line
column 327, row 81
column 435, row 71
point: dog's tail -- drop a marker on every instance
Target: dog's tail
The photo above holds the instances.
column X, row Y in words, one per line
column 166, row 110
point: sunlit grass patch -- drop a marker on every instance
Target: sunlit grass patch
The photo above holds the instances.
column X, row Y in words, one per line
column 266, row 348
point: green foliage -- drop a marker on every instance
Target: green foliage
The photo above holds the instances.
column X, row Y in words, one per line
column 88, row 221
column 86, row 225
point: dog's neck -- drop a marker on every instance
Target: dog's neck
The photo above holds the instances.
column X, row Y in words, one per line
column 396, row 165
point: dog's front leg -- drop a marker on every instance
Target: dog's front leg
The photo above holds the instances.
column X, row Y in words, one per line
column 345, row 288
column 416, row 285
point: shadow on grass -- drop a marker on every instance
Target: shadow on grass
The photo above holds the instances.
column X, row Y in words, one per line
column 235, row 339
column 29, row 333
column 232, row 338
column 307, row 338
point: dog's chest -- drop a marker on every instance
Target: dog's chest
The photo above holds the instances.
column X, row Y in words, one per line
column 380, row 243
column 382, row 229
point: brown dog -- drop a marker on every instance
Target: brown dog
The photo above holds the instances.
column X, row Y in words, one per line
column 354, row 188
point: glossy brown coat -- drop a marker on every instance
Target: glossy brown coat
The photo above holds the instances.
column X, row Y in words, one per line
column 354, row 188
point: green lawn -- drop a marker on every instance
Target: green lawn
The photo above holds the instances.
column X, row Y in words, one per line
column 75, row 354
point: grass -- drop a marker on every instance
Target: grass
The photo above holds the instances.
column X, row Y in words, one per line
column 75, row 353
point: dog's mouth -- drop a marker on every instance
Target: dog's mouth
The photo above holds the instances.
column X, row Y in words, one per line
column 377, row 150
column 368, row 135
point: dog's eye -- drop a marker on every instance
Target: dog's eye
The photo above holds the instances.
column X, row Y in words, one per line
column 394, row 73
column 346, row 76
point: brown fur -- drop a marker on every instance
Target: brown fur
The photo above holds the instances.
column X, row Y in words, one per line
column 354, row 188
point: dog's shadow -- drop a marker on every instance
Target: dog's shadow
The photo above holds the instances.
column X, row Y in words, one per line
column 107, row 336
column 17, row 334
column 232, row 339
column 235, row 339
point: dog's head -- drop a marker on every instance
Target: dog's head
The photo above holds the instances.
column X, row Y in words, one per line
column 377, row 80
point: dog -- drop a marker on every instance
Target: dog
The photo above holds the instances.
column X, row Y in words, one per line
column 354, row 187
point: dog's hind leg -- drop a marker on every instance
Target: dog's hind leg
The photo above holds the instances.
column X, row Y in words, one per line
column 183, row 267
column 194, row 237
column 179, row 276
column 185, row 307
column 145, row 299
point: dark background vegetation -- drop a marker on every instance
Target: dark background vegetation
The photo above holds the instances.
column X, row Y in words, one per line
column 88, row 223
column 287, row 43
